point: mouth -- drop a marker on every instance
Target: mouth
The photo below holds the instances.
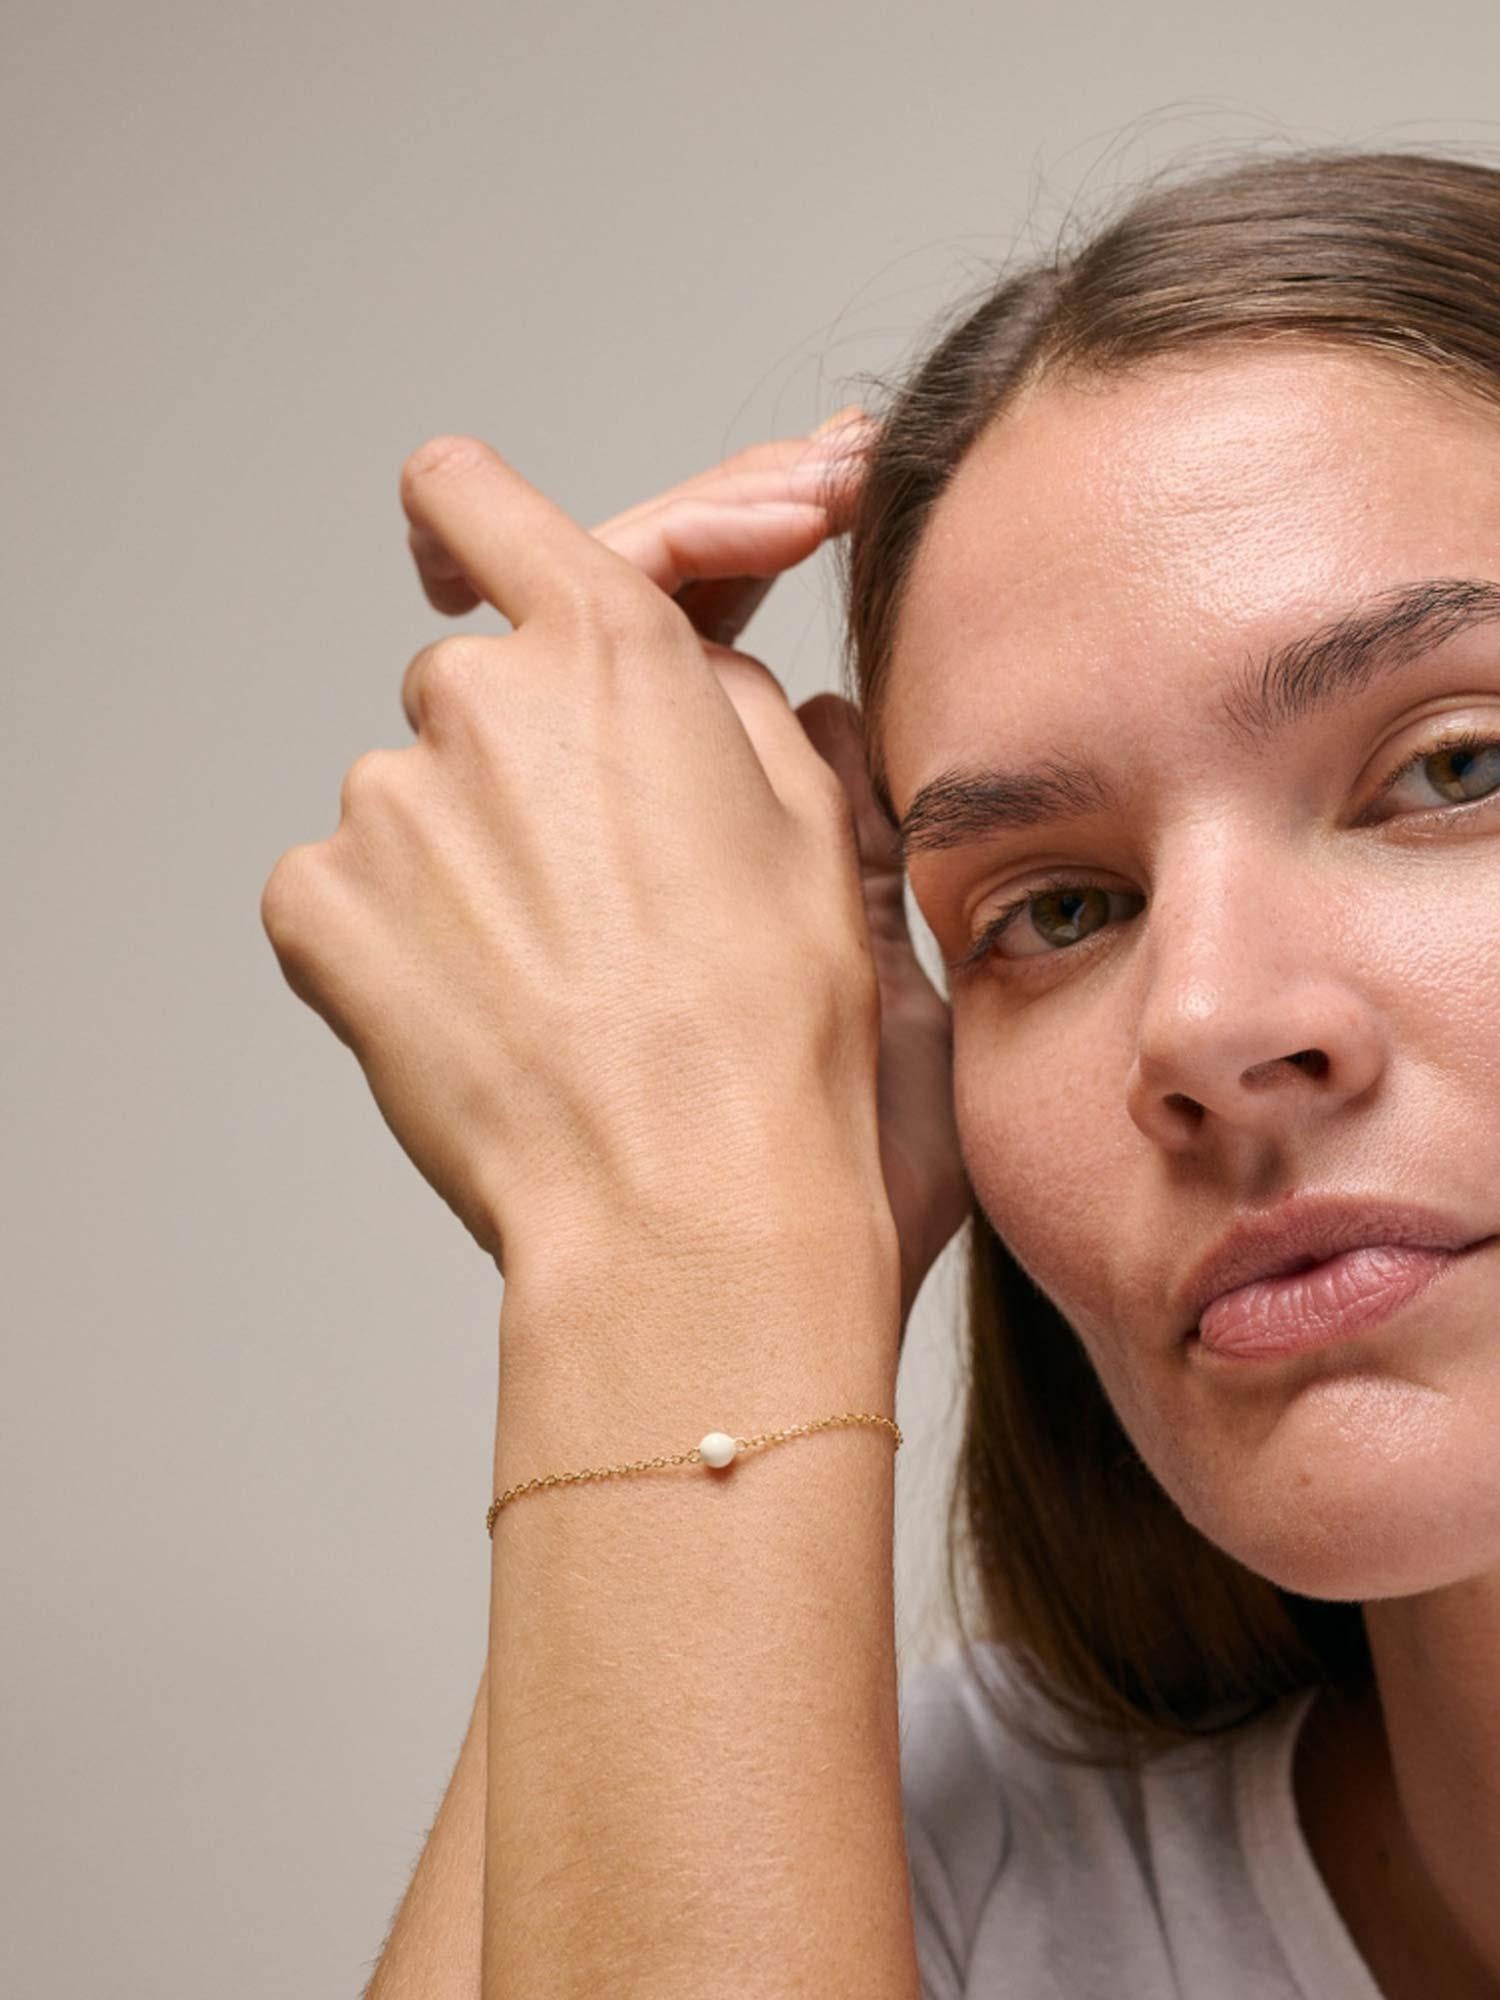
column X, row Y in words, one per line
column 1322, row 1301
column 1297, row 1250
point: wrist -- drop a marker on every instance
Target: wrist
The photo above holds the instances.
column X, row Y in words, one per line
column 705, row 1246
column 804, row 1189
column 725, row 1316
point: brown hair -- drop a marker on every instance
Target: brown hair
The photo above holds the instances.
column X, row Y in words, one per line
column 1127, row 1621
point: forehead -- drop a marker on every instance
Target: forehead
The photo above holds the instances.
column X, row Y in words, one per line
column 1110, row 550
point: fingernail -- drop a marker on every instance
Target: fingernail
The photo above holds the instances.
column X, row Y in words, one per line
column 852, row 414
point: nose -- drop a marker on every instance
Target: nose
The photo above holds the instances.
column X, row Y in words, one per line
column 1253, row 1018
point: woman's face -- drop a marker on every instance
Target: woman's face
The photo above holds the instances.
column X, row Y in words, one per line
column 1109, row 563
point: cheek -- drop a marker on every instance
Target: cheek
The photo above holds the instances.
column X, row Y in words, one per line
column 1436, row 981
column 1056, row 1163
column 1380, row 1480
column 1050, row 1150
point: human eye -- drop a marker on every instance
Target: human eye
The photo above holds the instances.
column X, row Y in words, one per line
column 1063, row 912
column 1467, row 774
column 1059, row 905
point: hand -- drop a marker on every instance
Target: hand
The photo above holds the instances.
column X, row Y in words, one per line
column 716, row 543
column 597, row 937
column 926, row 1181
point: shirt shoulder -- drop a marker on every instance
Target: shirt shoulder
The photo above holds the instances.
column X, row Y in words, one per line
column 1034, row 1876
column 1002, row 1839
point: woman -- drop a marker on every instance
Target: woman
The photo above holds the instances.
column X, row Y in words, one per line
column 1174, row 621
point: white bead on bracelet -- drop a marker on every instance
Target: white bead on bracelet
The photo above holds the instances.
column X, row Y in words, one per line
column 715, row 1448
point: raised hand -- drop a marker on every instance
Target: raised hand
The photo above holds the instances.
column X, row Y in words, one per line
column 598, row 937
column 716, row 543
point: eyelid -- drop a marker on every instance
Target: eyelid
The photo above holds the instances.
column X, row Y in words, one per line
column 1456, row 736
column 1012, row 910
column 975, row 956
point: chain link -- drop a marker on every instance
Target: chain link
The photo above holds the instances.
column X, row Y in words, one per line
column 693, row 1457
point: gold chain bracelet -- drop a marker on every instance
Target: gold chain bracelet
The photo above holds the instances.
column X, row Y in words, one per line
column 715, row 1449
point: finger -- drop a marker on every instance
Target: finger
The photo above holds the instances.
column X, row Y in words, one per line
column 446, row 586
column 721, row 608
column 638, row 533
column 694, row 539
column 826, row 468
column 509, row 542
column 769, row 721
column 834, row 728
column 852, row 419
column 850, row 430
column 719, row 560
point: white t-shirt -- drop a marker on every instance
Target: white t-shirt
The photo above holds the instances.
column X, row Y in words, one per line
column 1034, row 1879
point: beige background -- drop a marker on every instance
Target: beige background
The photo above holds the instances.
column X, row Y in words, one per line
column 253, row 257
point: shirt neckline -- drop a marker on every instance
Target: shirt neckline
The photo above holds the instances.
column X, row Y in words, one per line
column 1325, row 1961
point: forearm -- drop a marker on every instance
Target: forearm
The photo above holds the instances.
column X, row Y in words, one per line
column 693, row 1750
column 432, row 1949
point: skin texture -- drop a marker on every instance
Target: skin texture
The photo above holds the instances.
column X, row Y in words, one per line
column 715, row 543
column 1106, row 558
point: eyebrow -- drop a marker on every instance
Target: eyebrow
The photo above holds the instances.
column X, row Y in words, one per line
column 1336, row 661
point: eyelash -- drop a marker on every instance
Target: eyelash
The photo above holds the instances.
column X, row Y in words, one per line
column 983, row 945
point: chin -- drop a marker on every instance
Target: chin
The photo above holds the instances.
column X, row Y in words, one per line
column 1364, row 1486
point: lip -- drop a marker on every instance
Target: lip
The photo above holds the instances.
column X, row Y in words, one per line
column 1310, row 1230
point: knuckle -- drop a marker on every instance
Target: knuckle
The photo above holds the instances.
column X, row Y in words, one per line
column 749, row 672
column 443, row 678
column 445, row 453
column 662, row 618
column 369, row 781
column 630, row 613
column 289, row 891
column 577, row 607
